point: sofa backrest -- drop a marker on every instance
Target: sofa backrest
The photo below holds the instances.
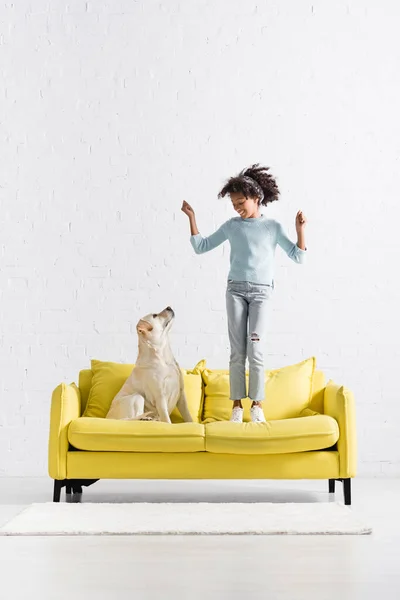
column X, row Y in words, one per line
column 85, row 383
column 317, row 394
column 316, row 403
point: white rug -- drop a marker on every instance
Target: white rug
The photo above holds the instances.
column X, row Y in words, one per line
column 262, row 518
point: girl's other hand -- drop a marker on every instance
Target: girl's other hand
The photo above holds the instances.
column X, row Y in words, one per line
column 300, row 221
column 187, row 209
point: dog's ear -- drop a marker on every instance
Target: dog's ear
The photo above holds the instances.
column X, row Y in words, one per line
column 143, row 327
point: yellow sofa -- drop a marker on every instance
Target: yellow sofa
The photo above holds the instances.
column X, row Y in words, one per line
column 310, row 431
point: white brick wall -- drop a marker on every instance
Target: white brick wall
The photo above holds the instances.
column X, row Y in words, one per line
column 114, row 112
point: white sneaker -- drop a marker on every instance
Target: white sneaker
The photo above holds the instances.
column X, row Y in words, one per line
column 257, row 414
column 237, row 415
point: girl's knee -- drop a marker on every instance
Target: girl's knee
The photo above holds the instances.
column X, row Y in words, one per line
column 237, row 359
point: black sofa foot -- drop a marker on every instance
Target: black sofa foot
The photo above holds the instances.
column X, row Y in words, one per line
column 71, row 486
column 58, row 484
column 346, row 489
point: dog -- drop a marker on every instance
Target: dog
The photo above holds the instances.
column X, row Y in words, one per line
column 155, row 385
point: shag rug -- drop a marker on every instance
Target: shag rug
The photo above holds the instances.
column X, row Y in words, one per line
column 203, row 518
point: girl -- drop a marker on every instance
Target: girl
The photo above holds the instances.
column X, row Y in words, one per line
column 253, row 239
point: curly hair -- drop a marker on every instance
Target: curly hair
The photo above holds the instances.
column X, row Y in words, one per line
column 262, row 179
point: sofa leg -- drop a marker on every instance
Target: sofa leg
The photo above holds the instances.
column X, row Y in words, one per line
column 71, row 486
column 58, row 484
column 347, row 491
column 76, row 487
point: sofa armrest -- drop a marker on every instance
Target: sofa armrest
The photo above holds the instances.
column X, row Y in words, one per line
column 339, row 404
column 65, row 407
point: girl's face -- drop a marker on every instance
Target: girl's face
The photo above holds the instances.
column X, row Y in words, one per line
column 245, row 207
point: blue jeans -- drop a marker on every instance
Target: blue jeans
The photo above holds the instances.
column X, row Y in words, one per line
column 247, row 306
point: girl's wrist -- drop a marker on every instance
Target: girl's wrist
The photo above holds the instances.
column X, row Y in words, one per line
column 301, row 240
column 193, row 226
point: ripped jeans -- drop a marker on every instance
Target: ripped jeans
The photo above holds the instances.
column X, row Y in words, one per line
column 247, row 306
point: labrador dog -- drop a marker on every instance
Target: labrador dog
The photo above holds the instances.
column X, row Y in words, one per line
column 155, row 386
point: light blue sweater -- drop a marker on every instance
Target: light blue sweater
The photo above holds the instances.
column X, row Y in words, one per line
column 253, row 243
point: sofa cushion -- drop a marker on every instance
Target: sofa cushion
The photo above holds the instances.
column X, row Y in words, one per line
column 109, row 377
column 111, row 435
column 287, row 392
column 283, row 436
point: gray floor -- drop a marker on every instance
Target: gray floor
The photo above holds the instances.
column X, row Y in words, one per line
column 211, row 567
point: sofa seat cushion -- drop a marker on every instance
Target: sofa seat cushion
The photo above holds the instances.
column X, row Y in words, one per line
column 89, row 433
column 283, row 436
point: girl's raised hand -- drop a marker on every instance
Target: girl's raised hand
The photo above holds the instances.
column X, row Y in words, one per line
column 187, row 209
column 300, row 221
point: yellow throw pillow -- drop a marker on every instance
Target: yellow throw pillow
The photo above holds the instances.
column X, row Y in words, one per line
column 109, row 377
column 287, row 392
